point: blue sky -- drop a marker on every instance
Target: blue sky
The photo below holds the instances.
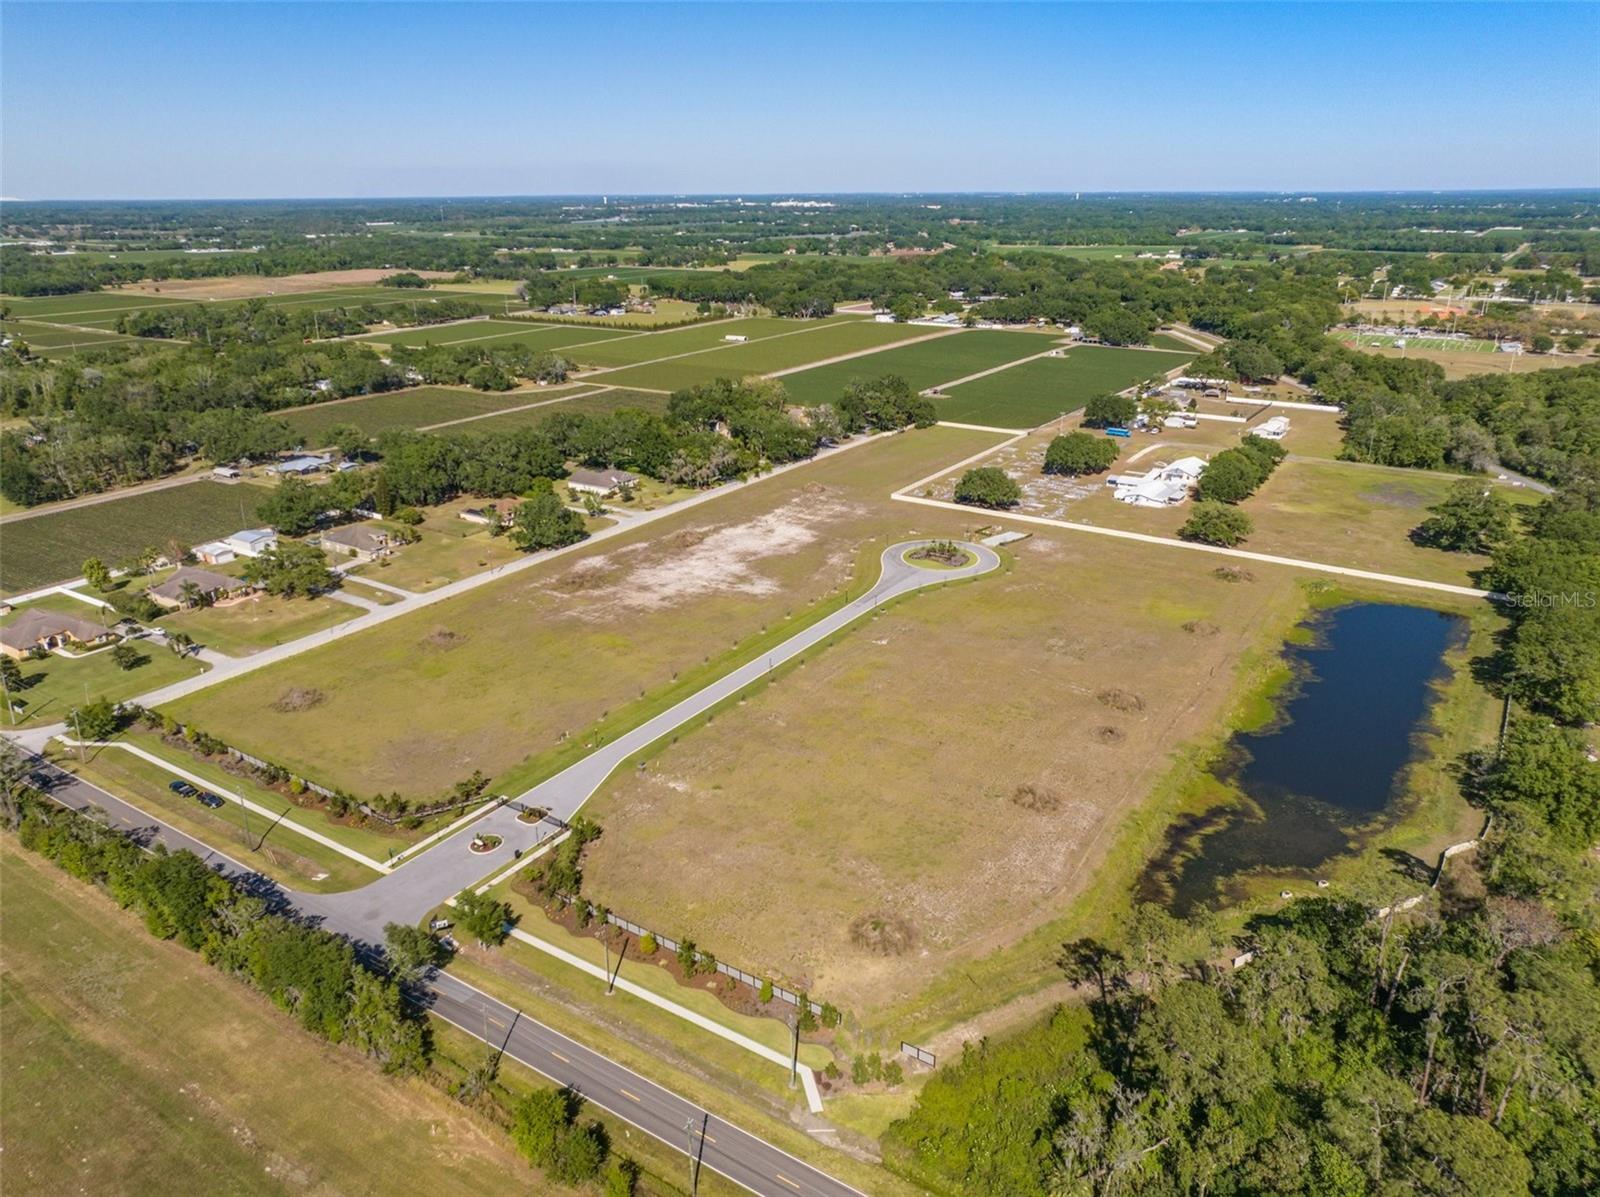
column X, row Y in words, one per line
column 242, row 100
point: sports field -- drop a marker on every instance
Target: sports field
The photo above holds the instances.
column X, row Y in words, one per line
column 511, row 668
column 418, row 407
column 45, row 549
column 810, row 341
column 943, row 359
column 1028, row 395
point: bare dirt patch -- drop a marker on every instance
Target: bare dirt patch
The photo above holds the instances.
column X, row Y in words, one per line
column 1201, row 627
column 246, row 286
column 444, row 639
column 1232, row 573
column 726, row 559
column 297, row 698
column 1107, row 734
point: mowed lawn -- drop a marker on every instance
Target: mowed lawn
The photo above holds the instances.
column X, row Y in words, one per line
column 417, row 407
column 497, row 676
column 944, row 358
column 869, row 784
column 45, row 549
column 132, row 1067
column 817, row 341
column 1026, row 396
column 52, row 687
column 262, row 621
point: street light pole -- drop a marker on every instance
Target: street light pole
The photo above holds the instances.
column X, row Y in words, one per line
column 688, row 1143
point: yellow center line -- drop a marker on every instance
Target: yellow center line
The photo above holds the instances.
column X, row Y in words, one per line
column 786, row 1180
column 559, row 1056
column 629, row 1096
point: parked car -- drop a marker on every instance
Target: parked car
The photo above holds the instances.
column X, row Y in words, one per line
column 440, row 925
column 207, row 799
column 181, row 787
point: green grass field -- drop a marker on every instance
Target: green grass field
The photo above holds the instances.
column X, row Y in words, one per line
column 137, row 1069
column 813, row 341
column 923, row 365
column 239, row 629
column 1091, row 252
column 1361, row 340
column 590, row 404
column 1028, row 395
column 415, row 408
column 53, row 340
column 497, row 333
column 46, row 549
column 634, row 349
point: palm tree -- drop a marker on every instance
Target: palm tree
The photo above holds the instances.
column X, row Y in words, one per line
column 190, row 593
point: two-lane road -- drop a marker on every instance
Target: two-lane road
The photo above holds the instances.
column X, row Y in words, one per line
column 721, row 1146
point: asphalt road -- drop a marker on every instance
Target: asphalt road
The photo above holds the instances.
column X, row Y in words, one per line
column 449, row 866
column 716, row 1144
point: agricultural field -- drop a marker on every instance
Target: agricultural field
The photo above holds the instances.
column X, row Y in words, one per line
column 682, row 341
column 1030, row 394
column 56, row 340
column 90, row 309
column 1460, row 363
column 419, row 407
column 251, row 1104
column 814, row 341
column 589, row 403
column 516, row 670
column 943, row 359
column 988, row 803
column 45, row 549
column 495, row 333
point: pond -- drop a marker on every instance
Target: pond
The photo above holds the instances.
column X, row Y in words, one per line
column 1329, row 763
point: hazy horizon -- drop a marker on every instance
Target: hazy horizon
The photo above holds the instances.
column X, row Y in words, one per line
column 360, row 101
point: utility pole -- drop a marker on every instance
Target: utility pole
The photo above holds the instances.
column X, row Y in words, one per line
column 688, row 1144
column 794, row 1055
column 77, row 727
column 6, row 690
column 605, row 941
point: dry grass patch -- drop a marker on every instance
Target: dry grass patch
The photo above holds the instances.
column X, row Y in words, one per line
column 548, row 651
column 950, row 765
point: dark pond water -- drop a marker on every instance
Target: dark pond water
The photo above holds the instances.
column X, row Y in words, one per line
column 1327, row 764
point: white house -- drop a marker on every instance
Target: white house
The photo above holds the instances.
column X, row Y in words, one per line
column 225, row 473
column 308, row 464
column 884, row 317
column 252, row 542
column 1273, row 429
column 737, row 337
column 1149, row 491
column 1186, row 470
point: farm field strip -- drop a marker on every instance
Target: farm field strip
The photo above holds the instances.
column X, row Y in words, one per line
column 597, row 401
column 643, row 348
column 922, row 364
column 52, row 548
column 766, row 355
column 472, row 331
column 413, row 408
column 1034, row 392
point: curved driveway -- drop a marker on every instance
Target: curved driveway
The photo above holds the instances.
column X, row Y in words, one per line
column 449, row 867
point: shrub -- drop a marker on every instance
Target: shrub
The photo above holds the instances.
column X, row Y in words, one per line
column 1216, row 523
column 988, row 486
column 893, row 1074
column 766, row 990
column 688, row 958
